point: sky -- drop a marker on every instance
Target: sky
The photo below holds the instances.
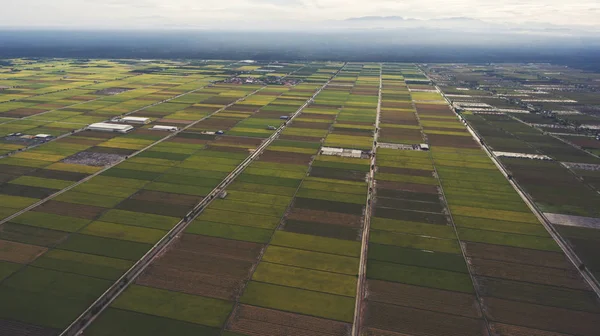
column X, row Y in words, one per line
column 232, row 14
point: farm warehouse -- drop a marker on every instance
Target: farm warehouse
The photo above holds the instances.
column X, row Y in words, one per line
column 107, row 127
column 447, row 246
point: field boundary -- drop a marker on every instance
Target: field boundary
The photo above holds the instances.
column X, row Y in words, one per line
column 562, row 243
column 362, row 268
column 89, row 315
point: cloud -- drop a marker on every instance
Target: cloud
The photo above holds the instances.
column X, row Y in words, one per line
column 223, row 13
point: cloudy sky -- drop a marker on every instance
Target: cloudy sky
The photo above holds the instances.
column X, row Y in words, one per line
column 229, row 13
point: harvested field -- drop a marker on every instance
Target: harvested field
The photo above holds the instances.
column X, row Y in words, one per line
column 518, row 255
column 423, row 298
column 19, row 252
column 501, row 329
column 288, row 158
column 414, row 216
column 538, row 294
column 542, row 317
column 203, row 265
column 256, row 321
column 569, row 278
column 411, row 321
column 299, row 138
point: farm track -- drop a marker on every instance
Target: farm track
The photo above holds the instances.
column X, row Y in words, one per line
column 106, row 120
column 173, row 134
column 88, row 316
column 289, row 208
column 362, row 271
column 562, row 243
column 463, row 251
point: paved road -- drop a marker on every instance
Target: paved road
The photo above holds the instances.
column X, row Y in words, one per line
column 585, row 273
column 84, row 320
column 171, row 135
column 362, row 270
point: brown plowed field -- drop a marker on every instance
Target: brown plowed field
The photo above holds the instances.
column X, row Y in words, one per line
column 423, row 298
column 228, row 149
column 216, row 123
column 15, row 328
column 529, row 273
column 518, row 255
column 501, row 329
column 325, row 217
column 239, row 140
column 378, row 332
column 191, row 243
column 18, row 252
column 23, row 112
column 157, row 196
column 204, row 266
column 175, row 121
column 538, row 294
column 542, row 317
column 421, row 322
column 255, row 321
column 203, row 282
column 70, row 209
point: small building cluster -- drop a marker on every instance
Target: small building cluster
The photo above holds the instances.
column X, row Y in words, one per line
column 344, row 152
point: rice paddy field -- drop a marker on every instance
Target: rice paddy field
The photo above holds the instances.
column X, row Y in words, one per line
column 553, row 117
column 387, row 239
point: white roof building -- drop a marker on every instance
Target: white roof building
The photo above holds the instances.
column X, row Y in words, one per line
column 132, row 120
column 106, row 127
column 164, row 128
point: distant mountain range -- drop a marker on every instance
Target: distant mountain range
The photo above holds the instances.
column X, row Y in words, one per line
column 463, row 24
